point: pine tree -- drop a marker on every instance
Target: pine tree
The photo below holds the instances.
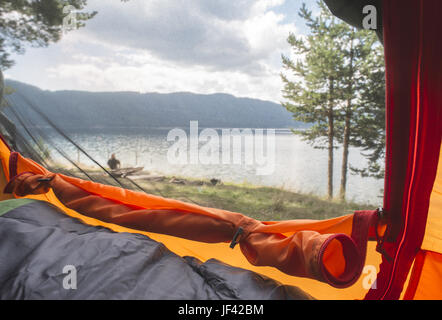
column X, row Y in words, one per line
column 361, row 123
column 337, row 85
column 369, row 119
column 36, row 23
column 315, row 94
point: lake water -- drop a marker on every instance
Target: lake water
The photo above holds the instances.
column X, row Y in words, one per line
column 296, row 165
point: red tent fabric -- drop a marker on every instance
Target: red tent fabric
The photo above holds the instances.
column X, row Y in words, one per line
column 413, row 53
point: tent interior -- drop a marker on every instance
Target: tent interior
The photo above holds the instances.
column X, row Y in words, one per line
column 132, row 245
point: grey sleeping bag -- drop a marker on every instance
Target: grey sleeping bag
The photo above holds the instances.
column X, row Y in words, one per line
column 45, row 254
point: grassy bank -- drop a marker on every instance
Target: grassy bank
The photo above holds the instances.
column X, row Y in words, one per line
column 262, row 203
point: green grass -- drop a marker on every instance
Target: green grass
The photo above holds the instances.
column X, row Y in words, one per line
column 262, row 203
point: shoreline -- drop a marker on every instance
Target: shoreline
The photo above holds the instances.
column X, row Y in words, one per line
column 259, row 202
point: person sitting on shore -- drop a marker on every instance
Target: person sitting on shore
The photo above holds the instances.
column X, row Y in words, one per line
column 113, row 162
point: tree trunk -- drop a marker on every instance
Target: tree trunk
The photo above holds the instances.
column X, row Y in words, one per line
column 345, row 151
column 331, row 134
column 347, row 124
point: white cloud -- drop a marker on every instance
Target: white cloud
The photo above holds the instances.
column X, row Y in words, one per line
column 175, row 45
column 144, row 73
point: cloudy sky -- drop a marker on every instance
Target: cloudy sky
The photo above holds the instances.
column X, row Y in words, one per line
column 202, row 46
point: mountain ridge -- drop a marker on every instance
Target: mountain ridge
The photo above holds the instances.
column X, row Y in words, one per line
column 75, row 109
